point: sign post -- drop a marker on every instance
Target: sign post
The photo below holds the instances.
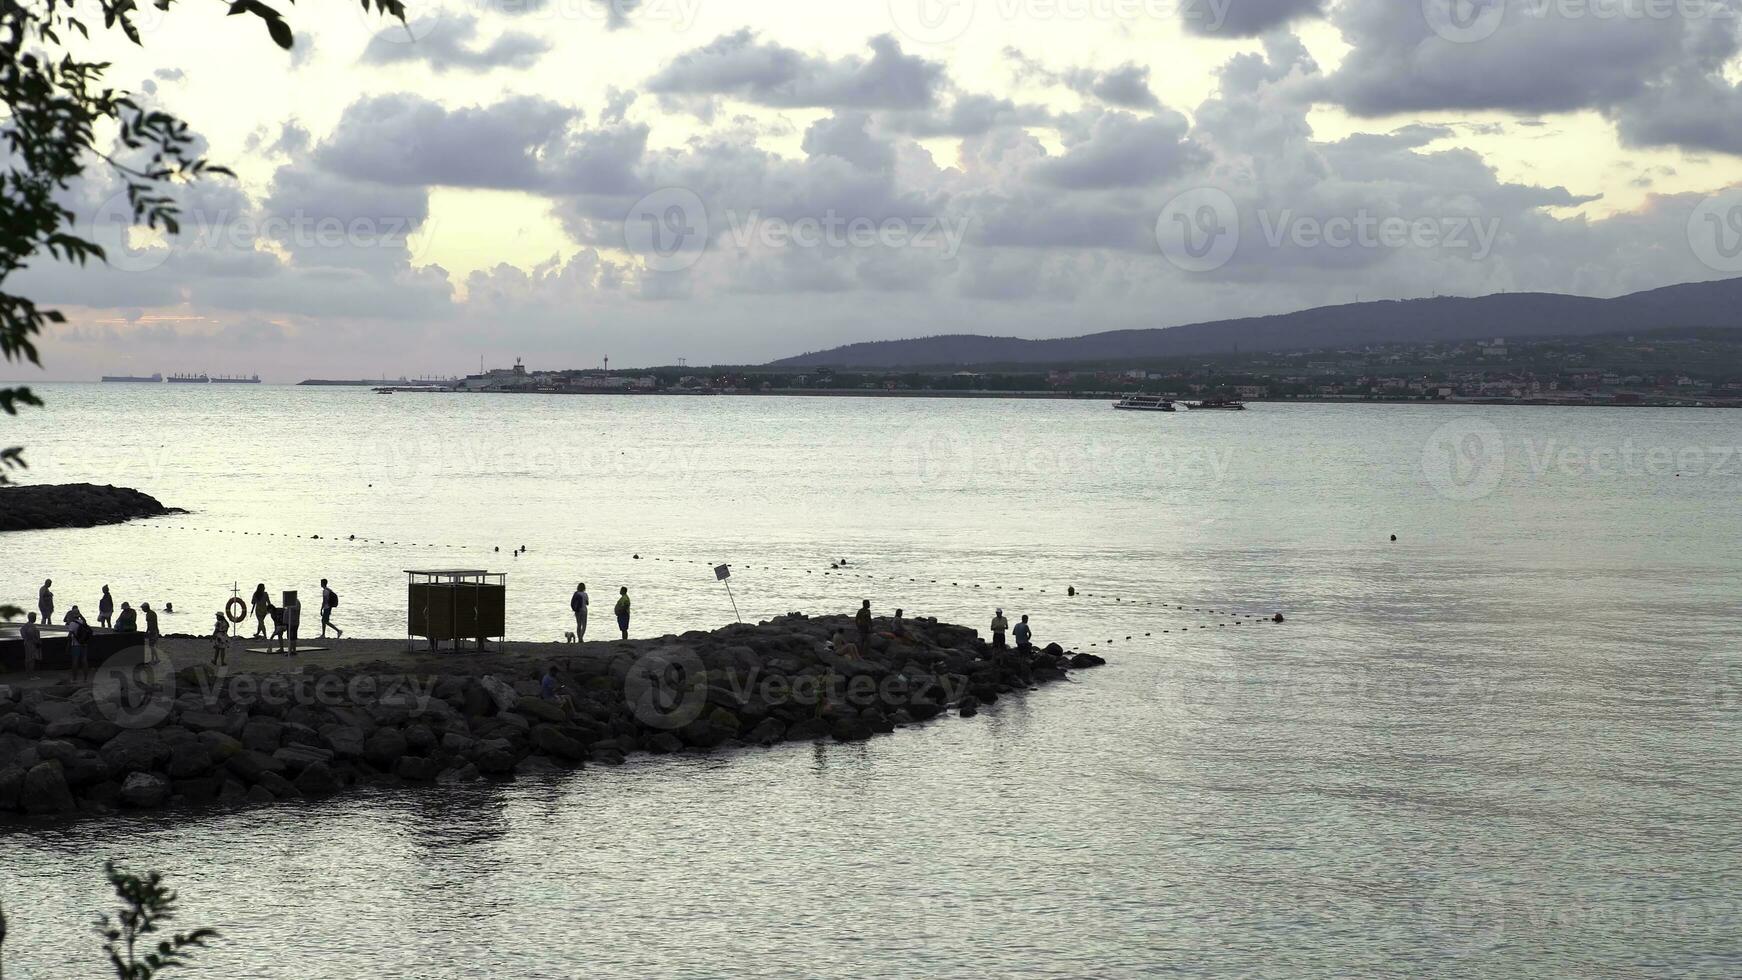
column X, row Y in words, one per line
column 724, row 574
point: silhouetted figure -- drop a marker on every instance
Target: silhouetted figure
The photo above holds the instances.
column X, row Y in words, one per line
column 31, row 634
column 260, row 603
column 45, row 601
column 329, row 602
column 623, row 610
column 1024, row 636
column 578, row 604
column 999, row 626
column 220, row 641
column 105, row 609
column 862, row 619
column 79, row 642
column 128, row 621
column 151, row 632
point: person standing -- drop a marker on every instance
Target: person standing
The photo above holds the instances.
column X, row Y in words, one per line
column 45, row 602
column 79, row 643
column 261, row 604
column 578, row 604
column 278, row 618
column 220, row 641
column 623, row 610
column 1024, row 636
column 329, row 602
column 106, row 609
column 862, row 619
column 31, row 634
column 999, row 626
column 151, row 632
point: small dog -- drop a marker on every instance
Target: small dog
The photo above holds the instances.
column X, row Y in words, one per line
column 569, row 637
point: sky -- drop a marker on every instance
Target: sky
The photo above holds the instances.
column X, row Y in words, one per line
column 566, row 181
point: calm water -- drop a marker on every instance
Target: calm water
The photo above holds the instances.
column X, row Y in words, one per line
column 1503, row 745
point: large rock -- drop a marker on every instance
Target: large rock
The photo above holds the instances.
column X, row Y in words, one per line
column 50, row 711
column 46, row 790
column 317, row 780
column 346, row 741
column 11, row 787
column 851, row 730
column 384, row 748
column 502, row 695
column 551, row 741
column 135, row 750
column 144, row 790
column 542, row 710
column 417, row 769
column 419, row 739
column 190, row 757
column 263, row 734
column 43, row 506
column 297, row 758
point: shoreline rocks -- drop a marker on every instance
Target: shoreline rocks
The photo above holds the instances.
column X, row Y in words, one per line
column 47, row 507
column 139, row 741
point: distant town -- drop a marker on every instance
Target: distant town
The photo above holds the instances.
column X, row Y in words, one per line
column 1663, row 368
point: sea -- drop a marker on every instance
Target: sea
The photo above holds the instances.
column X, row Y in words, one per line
column 1495, row 735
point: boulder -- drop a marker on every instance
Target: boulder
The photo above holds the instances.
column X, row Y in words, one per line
column 419, row 739
column 144, row 790
column 297, row 758
column 417, row 769
column 46, row 790
column 807, row 729
column 851, row 730
column 64, row 728
column 205, row 721
column 467, row 773
column 259, row 794
column 202, row 790
column 664, row 742
column 98, row 730
column 221, row 745
column 135, row 750
column 281, row 788
column 263, row 734
column 542, row 710
column 11, row 787
column 62, row 752
column 551, row 741
column 53, row 710
column 346, row 741
column 317, row 780
column 494, row 761
column 190, row 757
column 1082, row 660
column 384, row 748
column 502, row 695
column 768, row 732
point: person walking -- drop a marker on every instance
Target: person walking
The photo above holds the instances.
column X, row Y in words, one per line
column 151, row 632
column 329, row 602
column 999, row 626
column 220, row 641
column 45, row 602
column 278, row 618
column 623, row 610
column 862, row 620
column 260, row 603
column 128, row 621
column 578, row 604
column 106, row 609
column 31, row 634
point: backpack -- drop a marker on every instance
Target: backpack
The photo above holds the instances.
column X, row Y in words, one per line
column 82, row 634
column 332, row 599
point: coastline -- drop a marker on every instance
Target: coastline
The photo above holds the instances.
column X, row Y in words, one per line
column 269, row 728
column 53, row 506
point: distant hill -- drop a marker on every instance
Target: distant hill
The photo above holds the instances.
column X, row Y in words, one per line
column 1511, row 315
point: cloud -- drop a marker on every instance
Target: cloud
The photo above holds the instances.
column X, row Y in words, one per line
column 1244, row 18
column 1126, row 87
column 1123, row 150
column 452, row 47
column 406, row 139
column 741, row 66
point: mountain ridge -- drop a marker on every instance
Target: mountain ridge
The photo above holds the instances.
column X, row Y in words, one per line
column 1709, row 303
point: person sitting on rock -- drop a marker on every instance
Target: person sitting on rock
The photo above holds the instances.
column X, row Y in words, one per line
column 128, row 621
column 550, row 689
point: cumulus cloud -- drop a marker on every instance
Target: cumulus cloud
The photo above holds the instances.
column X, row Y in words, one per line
column 453, row 45
column 742, row 66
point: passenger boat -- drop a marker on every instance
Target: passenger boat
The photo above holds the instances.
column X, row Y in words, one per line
column 1144, row 403
column 1223, row 404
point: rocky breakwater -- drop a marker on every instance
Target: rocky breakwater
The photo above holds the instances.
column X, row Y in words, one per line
column 38, row 508
column 143, row 738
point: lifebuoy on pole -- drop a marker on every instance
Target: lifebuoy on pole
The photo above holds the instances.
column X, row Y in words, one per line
column 236, row 609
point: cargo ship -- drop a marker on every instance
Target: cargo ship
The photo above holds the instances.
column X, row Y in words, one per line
column 226, row 380
column 130, row 379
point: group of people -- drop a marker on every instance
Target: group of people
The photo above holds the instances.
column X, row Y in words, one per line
column 285, row 619
column 79, row 631
column 580, row 602
column 862, row 623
